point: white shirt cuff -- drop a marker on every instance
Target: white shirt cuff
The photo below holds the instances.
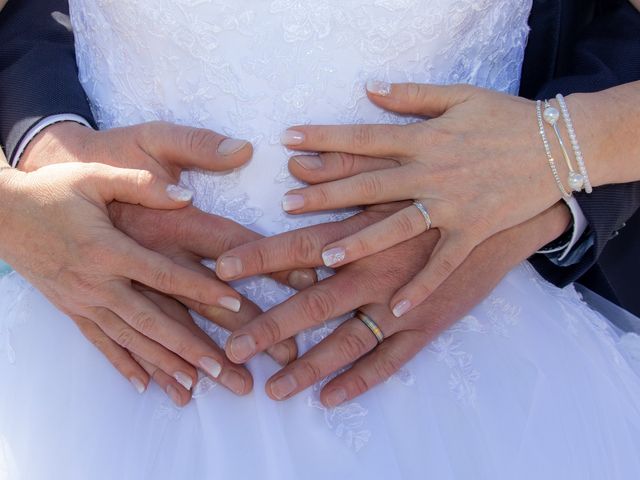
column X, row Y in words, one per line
column 580, row 224
column 40, row 126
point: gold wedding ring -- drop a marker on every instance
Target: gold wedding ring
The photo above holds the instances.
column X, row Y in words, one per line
column 425, row 213
column 371, row 325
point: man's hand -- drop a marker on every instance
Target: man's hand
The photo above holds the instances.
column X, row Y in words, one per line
column 156, row 339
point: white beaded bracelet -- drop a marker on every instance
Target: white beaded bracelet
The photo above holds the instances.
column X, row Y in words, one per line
column 552, row 163
column 574, row 143
column 551, row 115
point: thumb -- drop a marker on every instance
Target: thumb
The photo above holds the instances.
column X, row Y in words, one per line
column 418, row 98
column 138, row 187
column 188, row 147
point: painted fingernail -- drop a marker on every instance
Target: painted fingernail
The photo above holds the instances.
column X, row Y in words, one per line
column 401, row 308
column 234, row 382
column 336, row 397
column 333, row 256
column 174, row 395
column 210, row 366
column 242, row 347
column 292, row 202
column 179, row 194
column 229, row 267
column 184, row 380
column 378, row 87
column 229, row 146
column 301, row 279
column 283, row 387
column 230, row 303
column 309, row 162
column 138, row 385
column 292, row 137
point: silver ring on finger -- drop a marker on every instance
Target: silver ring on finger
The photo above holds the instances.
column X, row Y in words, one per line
column 425, row 213
column 371, row 325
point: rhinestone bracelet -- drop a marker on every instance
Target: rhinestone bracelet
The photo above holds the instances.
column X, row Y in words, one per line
column 574, row 144
column 552, row 163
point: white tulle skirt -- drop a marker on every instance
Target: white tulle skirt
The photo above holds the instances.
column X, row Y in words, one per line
column 532, row 384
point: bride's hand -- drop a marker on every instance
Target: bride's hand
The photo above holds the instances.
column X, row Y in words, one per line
column 478, row 168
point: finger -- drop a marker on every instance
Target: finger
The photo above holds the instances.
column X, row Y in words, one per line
column 161, row 273
column 418, row 98
column 345, row 345
column 399, row 227
column 329, row 299
column 283, row 353
column 176, row 392
column 292, row 250
column 115, row 354
column 189, row 147
column 131, row 340
column 139, row 187
column 144, row 316
column 371, row 140
column 367, row 188
column 445, row 259
column 373, row 369
column 333, row 166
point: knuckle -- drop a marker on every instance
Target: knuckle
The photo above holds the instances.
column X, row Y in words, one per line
column 318, row 305
column 164, row 279
column 387, row 366
column 143, row 321
column 197, row 139
column 309, row 372
column 363, row 136
column 371, row 187
column 347, row 163
column 405, row 225
column 126, row 338
column 305, row 248
column 352, row 346
column 358, row 384
column 270, row 330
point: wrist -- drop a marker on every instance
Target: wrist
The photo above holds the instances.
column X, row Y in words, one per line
column 60, row 142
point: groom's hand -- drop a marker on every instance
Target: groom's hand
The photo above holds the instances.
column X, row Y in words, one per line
column 367, row 286
column 183, row 239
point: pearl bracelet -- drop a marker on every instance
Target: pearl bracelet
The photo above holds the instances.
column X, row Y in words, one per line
column 574, row 144
column 552, row 163
column 551, row 115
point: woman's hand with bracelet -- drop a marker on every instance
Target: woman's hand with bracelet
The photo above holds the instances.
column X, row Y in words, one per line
column 475, row 166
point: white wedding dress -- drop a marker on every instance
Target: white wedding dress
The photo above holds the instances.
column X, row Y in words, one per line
column 531, row 384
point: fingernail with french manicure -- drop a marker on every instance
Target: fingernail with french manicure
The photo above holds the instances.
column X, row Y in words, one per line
column 309, row 162
column 292, row 202
column 230, row 303
column 243, row 347
column 229, row 146
column 401, row 308
column 184, row 380
column 229, row 267
column 210, row 366
column 300, row 279
column 291, row 137
column 138, row 385
column 179, row 194
column 336, row 397
column 174, row 395
column 333, row 256
column 234, row 382
column 378, row 87
column 283, row 387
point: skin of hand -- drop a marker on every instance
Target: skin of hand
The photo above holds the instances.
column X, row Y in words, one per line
column 366, row 284
column 476, row 163
column 123, row 323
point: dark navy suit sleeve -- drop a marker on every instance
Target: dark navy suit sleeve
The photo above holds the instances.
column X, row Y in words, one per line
column 589, row 55
column 38, row 73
